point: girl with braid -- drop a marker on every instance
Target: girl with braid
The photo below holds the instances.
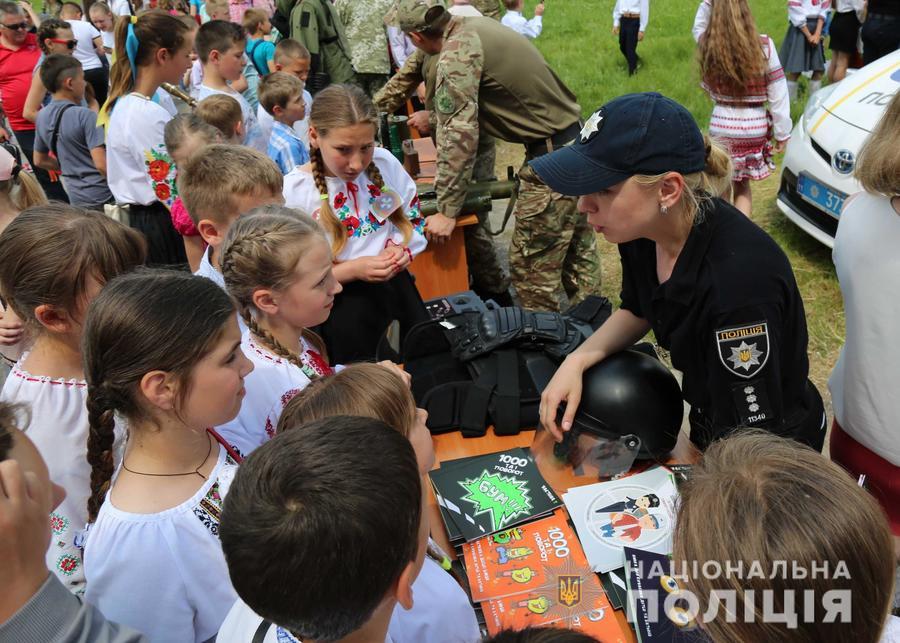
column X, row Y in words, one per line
column 369, row 208
column 162, row 351
column 54, row 259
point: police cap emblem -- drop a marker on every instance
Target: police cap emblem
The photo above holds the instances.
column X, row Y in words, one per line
column 592, row 126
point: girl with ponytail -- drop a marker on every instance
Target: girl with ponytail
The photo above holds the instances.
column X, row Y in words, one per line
column 162, row 354
column 151, row 49
column 369, row 208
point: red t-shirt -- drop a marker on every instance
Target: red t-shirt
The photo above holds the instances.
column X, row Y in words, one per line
column 16, row 72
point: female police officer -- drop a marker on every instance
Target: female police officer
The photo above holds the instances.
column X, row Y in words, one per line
column 717, row 291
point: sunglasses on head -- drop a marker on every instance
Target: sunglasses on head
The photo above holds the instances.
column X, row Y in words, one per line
column 68, row 43
column 16, row 27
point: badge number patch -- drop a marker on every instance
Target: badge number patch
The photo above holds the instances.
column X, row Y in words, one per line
column 744, row 350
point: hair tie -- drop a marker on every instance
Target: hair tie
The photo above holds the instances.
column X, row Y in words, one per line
column 131, row 47
column 323, row 197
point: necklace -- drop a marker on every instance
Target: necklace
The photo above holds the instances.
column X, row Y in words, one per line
column 168, row 475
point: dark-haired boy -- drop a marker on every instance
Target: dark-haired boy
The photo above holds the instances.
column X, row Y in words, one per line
column 67, row 138
column 322, row 540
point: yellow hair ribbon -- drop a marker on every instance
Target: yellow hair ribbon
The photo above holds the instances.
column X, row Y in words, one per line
column 134, row 20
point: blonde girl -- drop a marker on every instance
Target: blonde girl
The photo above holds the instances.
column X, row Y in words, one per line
column 54, row 259
column 742, row 74
column 369, row 208
column 151, row 49
column 161, row 352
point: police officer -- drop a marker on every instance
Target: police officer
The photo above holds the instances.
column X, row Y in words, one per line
column 491, row 79
column 317, row 26
column 716, row 290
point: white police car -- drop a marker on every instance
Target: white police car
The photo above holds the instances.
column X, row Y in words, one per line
column 817, row 172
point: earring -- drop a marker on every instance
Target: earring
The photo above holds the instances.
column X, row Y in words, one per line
column 663, row 210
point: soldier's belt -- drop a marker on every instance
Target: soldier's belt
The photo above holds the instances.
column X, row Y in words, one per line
column 556, row 141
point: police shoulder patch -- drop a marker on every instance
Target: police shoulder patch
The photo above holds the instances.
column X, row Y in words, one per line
column 744, row 350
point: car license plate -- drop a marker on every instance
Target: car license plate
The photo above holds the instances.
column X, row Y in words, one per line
column 821, row 196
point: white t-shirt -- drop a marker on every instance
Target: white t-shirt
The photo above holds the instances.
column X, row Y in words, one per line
column 85, row 52
column 464, row 11
column 301, row 128
column 207, row 270
column 353, row 204
column 109, row 41
column 121, row 8
column 164, row 574
column 139, row 169
column 270, row 386
column 864, row 381
column 253, row 135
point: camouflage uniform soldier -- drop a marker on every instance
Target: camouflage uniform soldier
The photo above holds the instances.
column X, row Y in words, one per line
column 488, row 277
column 317, row 26
column 363, row 22
column 490, row 78
column 488, row 8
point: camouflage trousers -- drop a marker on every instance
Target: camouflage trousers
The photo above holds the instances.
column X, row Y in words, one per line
column 552, row 245
column 486, row 273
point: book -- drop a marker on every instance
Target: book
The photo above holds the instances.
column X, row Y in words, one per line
column 482, row 495
column 637, row 511
column 616, row 589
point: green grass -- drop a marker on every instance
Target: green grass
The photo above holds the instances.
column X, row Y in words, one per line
column 578, row 43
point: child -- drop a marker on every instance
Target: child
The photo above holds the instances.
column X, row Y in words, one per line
column 102, row 18
column 52, row 302
column 442, row 611
column 220, row 183
column 260, row 51
column 220, row 46
column 162, row 352
column 293, row 58
column 277, row 266
column 18, row 189
column 771, row 500
column 741, row 73
column 281, row 95
column 629, row 23
column 843, row 37
column 225, row 114
column 514, row 19
column 54, row 37
column 89, row 50
column 67, row 138
column 140, row 171
column 369, row 207
column 802, row 49
column 184, row 135
column 323, row 539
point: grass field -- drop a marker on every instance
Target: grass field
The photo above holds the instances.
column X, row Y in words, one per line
column 578, row 43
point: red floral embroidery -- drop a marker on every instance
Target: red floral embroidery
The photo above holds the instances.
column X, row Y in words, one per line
column 373, row 190
column 67, row 564
column 415, row 202
column 288, row 396
column 340, row 200
column 158, row 170
column 270, row 430
column 374, row 220
column 351, row 223
column 162, row 191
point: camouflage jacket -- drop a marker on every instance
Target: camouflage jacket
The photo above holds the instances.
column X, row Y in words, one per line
column 364, row 27
column 418, row 68
column 489, row 8
column 317, row 26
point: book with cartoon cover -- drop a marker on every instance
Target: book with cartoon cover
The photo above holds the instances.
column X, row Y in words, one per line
column 482, row 495
column 635, row 511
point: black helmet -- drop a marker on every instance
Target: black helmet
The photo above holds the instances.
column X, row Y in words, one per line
column 631, row 393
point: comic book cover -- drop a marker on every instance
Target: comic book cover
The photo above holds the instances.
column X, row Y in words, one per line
column 575, row 602
column 637, row 511
column 486, row 494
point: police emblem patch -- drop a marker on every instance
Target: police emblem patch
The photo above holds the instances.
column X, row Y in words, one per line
column 744, row 350
column 443, row 101
column 592, row 125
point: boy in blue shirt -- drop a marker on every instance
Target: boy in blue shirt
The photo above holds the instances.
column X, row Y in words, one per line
column 260, row 51
column 281, row 95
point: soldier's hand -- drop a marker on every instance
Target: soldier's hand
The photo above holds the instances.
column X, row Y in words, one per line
column 640, row 36
column 615, row 31
column 420, row 120
column 438, row 228
column 539, row 9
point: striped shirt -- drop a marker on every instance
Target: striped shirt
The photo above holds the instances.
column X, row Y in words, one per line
column 286, row 148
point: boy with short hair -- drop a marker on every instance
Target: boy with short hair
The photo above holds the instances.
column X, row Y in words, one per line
column 220, row 46
column 281, row 95
column 224, row 113
column 293, row 58
column 514, row 19
column 260, row 51
column 304, row 528
column 218, row 184
column 67, row 138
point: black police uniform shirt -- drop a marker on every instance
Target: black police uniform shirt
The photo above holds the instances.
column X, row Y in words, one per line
column 732, row 319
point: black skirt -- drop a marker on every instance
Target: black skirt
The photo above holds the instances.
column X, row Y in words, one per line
column 844, row 32
column 165, row 247
column 362, row 313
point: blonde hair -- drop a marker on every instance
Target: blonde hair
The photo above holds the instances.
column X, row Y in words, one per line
column 214, row 7
column 262, row 250
column 730, row 53
column 758, row 498
column 365, row 390
column 24, row 191
column 222, row 112
column 252, row 20
column 700, row 187
column 288, row 50
column 188, row 126
column 878, row 168
column 339, row 106
column 278, row 88
column 211, row 179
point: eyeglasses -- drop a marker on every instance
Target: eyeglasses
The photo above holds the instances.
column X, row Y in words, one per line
column 71, row 44
column 16, row 27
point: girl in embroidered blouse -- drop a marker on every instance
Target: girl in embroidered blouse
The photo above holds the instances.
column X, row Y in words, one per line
column 369, row 208
column 742, row 74
column 55, row 259
column 150, row 49
column 162, row 352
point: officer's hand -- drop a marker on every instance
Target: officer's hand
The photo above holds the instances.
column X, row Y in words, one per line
column 420, row 120
column 396, row 368
column 438, row 228
column 539, row 9
column 378, row 268
column 640, row 36
column 615, row 31
column 564, row 387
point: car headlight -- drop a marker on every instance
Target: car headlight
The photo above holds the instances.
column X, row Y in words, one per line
column 815, row 102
